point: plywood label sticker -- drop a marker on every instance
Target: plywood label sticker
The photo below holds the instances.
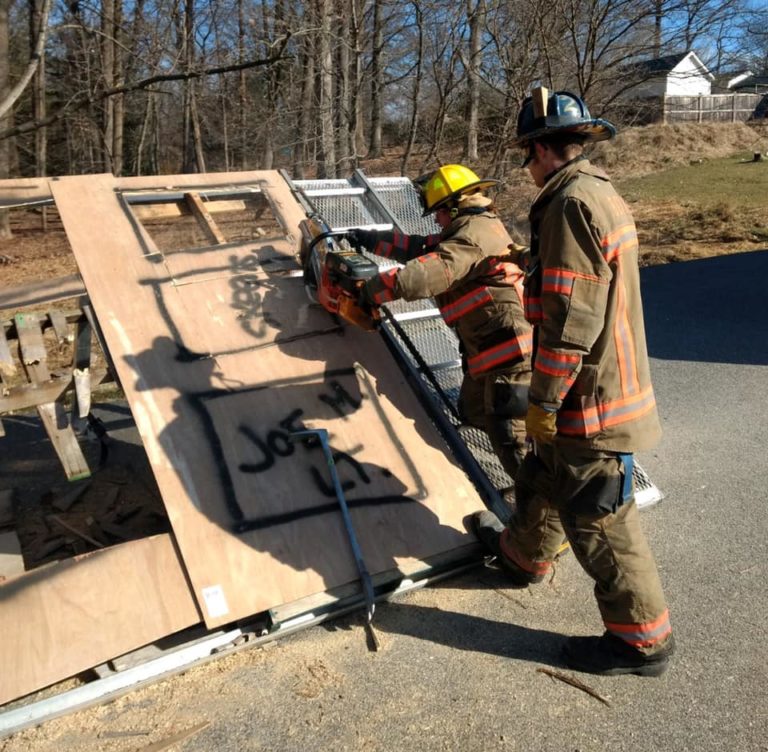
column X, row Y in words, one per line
column 215, row 601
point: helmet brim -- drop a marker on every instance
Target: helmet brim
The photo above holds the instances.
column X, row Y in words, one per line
column 480, row 185
column 597, row 130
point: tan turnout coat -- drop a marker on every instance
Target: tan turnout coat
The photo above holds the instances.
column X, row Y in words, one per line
column 470, row 273
column 583, row 294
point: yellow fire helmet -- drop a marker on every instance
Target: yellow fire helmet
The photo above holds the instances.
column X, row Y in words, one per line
column 447, row 183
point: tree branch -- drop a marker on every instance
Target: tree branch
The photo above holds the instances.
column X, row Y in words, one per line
column 83, row 99
column 34, row 61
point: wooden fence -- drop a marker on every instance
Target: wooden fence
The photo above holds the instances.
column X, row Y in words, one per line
column 719, row 108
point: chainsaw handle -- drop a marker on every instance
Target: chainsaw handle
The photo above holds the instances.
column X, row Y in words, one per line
column 324, row 236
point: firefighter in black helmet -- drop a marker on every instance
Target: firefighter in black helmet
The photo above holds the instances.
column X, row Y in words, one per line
column 591, row 403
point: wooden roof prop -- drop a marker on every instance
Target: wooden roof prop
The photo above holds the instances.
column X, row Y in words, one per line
column 222, row 358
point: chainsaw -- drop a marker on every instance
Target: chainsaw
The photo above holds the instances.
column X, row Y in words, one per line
column 333, row 276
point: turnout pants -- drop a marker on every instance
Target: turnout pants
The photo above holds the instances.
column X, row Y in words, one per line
column 497, row 405
column 579, row 494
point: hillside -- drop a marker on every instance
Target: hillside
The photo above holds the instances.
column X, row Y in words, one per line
column 693, row 189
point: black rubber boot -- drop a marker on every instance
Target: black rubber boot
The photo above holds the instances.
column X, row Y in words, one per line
column 488, row 528
column 610, row 656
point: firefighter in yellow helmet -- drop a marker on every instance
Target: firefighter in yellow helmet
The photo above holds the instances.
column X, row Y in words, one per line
column 467, row 268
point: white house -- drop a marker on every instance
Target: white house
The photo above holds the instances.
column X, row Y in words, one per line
column 672, row 75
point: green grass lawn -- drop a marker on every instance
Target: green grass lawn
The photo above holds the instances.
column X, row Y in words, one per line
column 736, row 181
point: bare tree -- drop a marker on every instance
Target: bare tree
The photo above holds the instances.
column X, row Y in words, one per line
column 5, row 224
column 416, row 88
column 476, row 17
column 327, row 162
column 377, row 77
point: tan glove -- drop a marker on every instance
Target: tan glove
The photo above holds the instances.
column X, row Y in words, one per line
column 540, row 424
column 515, row 249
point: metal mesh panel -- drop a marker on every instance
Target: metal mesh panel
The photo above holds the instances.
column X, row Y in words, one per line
column 402, row 201
column 342, row 204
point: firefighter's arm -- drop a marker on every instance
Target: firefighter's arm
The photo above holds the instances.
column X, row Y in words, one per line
column 430, row 274
column 391, row 244
column 574, row 298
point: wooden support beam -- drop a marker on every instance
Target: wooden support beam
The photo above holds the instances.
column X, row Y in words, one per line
column 7, row 366
column 42, row 293
column 71, row 317
column 59, row 323
column 25, row 396
column 179, row 209
column 52, row 415
column 204, row 219
column 80, row 369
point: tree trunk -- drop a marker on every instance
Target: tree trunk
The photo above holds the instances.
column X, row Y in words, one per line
column 242, row 91
column 327, row 162
column 108, row 78
column 194, row 159
column 306, row 105
column 5, row 151
column 118, row 77
column 374, row 148
column 416, row 91
column 658, row 14
column 38, row 90
column 475, row 13
column 356, row 123
column 341, row 109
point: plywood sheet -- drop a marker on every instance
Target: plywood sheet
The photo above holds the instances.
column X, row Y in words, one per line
column 220, row 371
column 59, row 620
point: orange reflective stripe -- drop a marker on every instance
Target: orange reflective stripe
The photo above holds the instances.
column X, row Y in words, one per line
column 624, row 339
column 646, row 634
column 589, row 420
column 527, row 565
column 619, row 241
column 387, row 279
column 554, row 363
column 515, row 348
column 534, row 313
column 560, row 281
column 465, row 304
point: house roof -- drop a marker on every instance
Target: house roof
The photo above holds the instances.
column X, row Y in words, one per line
column 752, row 82
column 659, row 66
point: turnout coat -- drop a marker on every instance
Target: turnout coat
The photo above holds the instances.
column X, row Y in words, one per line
column 469, row 271
column 582, row 293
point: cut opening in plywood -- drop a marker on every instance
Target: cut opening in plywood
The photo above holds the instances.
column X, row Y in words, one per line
column 182, row 220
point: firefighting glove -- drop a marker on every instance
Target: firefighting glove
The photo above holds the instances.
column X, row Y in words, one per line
column 540, row 424
column 362, row 239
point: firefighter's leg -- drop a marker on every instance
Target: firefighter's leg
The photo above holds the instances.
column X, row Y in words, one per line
column 534, row 534
column 603, row 526
column 505, row 401
column 471, row 402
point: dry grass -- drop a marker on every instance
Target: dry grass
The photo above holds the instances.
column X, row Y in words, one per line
column 691, row 190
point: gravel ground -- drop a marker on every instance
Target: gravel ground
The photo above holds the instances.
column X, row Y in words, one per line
column 458, row 669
